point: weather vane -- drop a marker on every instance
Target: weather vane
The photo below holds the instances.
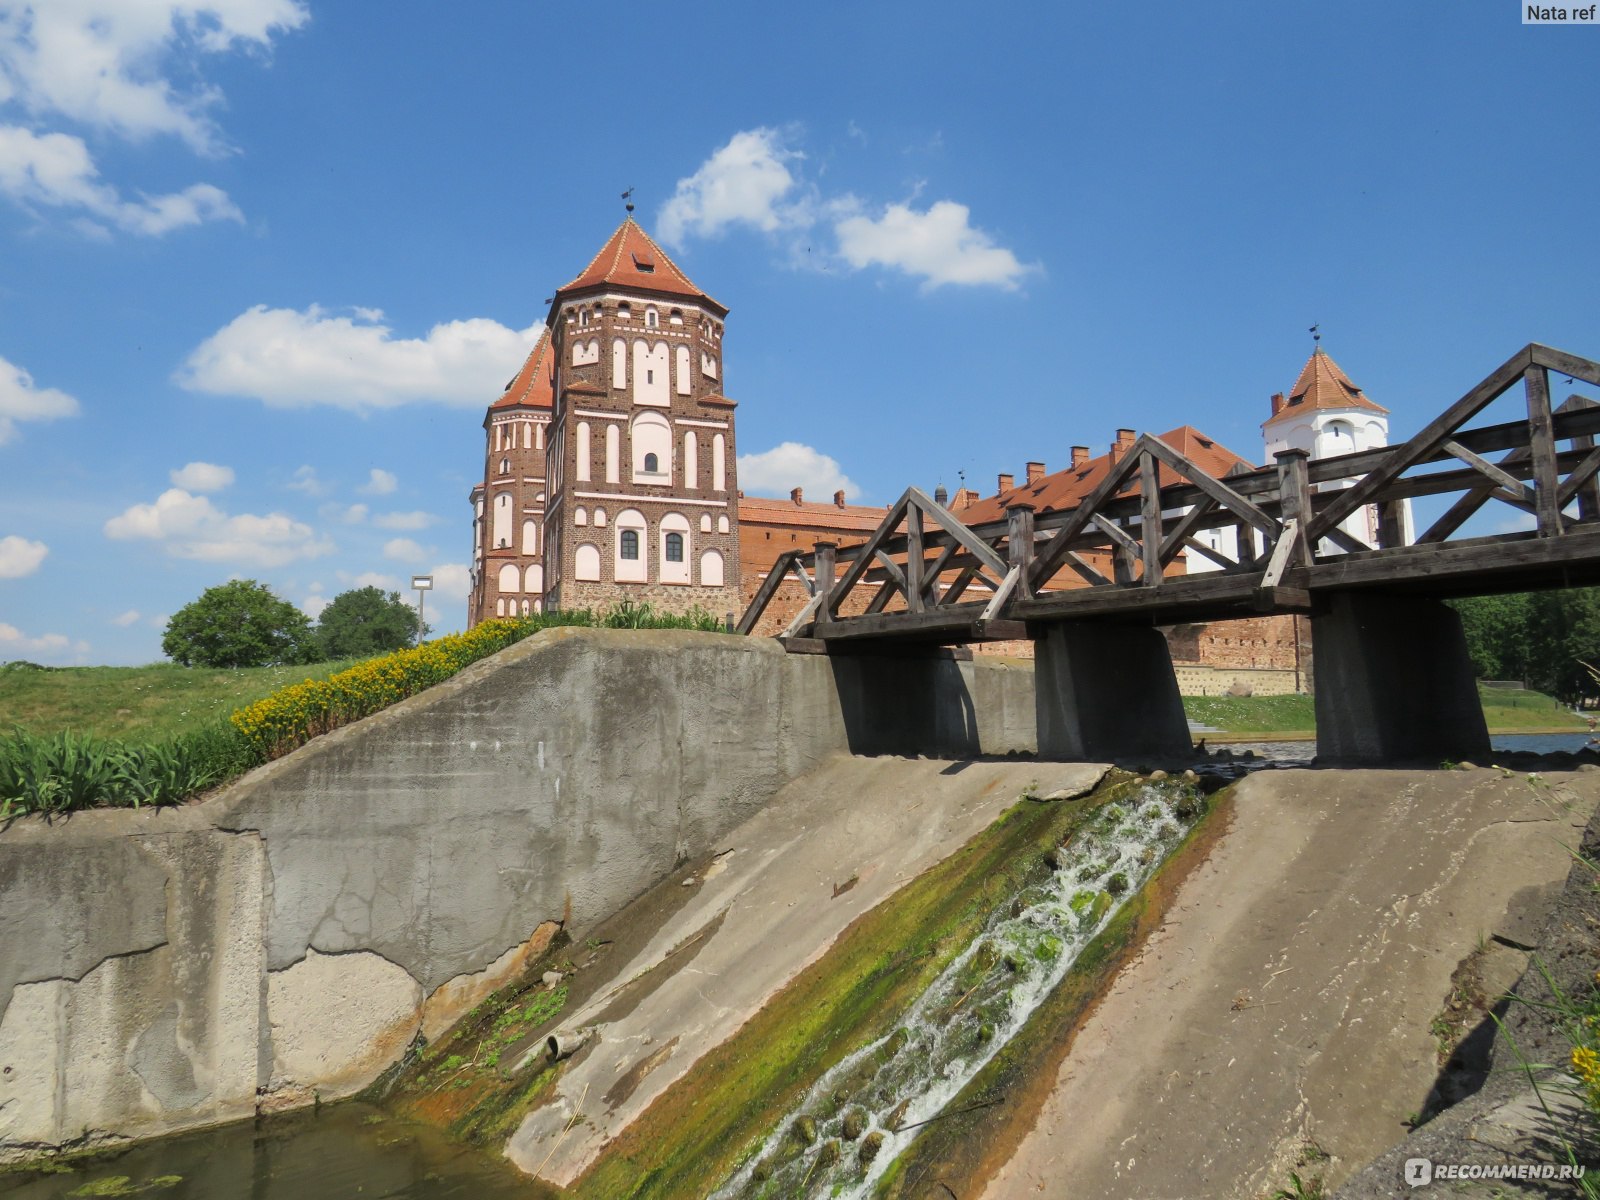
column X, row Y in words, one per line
column 1316, row 333
column 627, row 199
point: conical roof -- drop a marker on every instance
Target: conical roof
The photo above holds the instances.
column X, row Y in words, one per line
column 532, row 385
column 1323, row 385
column 631, row 259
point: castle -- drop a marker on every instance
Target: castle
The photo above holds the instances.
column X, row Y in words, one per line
column 610, row 474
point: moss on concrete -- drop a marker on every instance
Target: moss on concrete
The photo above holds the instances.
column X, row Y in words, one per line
column 718, row 1114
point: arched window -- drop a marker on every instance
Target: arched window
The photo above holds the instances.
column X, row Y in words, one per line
column 691, row 460
column 583, row 317
column 510, row 578
column 613, row 453
column 722, row 524
column 719, row 463
column 624, row 311
column 651, row 318
column 600, row 517
column 501, row 536
column 680, row 368
column 705, row 522
column 650, row 374
column 651, row 439
column 619, row 363
column 534, row 581
column 530, row 537
column 580, row 515
column 675, row 549
column 633, row 560
column 584, row 452
column 505, row 466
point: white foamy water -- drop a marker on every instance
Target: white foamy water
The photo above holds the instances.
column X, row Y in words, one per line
column 974, row 1007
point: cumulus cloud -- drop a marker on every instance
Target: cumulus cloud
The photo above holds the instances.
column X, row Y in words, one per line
column 55, row 170
column 404, row 550
column 938, row 246
column 451, row 581
column 754, row 180
column 379, row 483
column 95, row 61
column 377, row 579
column 291, row 359
column 305, row 480
column 404, row 520
column 202, row 477
column 345, row 514
column 791, row 465
column 313, row 604
column 51, row 647
column 22, row 400
column 20, row 557
column 746, row 182
column 190, row 526
column 123, row 620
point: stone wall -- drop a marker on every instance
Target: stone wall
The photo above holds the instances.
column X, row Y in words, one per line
column 290, row 936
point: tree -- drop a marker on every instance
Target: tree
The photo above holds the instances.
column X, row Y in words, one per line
column 239, row 624
column 364, row 621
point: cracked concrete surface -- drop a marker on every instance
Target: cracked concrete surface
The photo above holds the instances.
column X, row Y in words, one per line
column 1288, row 995
column 168, row 968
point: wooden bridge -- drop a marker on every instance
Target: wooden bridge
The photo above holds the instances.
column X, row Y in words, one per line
column 1104, row 563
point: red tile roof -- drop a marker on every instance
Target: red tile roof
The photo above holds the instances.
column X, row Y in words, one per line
column 1065, row 489
column 531, row 385
column 630, row 259
column 719, row 400
column 808, row 514
column 1323, row 385
column 585, row 388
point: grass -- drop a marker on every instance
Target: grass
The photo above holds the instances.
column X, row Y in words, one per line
column 138, row 704
column 1264, row 717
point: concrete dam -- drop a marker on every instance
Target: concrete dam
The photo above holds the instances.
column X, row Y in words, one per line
column 786, row 890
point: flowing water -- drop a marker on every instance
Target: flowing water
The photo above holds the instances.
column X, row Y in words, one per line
column 863, row 1113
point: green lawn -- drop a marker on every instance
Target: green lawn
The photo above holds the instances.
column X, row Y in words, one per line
column 137, row 704
column 1506, row 711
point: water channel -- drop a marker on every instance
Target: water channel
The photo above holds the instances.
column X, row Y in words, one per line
column 354, row 1150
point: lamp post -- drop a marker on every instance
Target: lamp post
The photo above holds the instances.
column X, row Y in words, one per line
column 423, row 584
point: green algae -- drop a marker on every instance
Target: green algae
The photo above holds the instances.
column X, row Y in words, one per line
column 721, row 1112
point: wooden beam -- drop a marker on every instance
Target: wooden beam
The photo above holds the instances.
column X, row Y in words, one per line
column 1542, row 447
column 1183, row 528
column 863, row 554
column 1046, row 562
column 764, row 594
column 1567, row 364
column 1224, row 495
column 951, row 524
column 1282, row 553
column 916, row 601
column 1489, row 471
column 991, row 610
column 1019, row 543
column 1402, row 457
column 824, row 553
column 1150, row 516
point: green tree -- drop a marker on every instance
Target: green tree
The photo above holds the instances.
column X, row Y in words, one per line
column 239, row 624
column 365, row 621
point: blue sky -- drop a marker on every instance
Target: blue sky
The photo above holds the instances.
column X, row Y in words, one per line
column 264, row 262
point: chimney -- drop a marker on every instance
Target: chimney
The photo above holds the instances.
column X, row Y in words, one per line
column 1277, row 403
column 1006, row 482
column 966, row 496
column 1080, row 455
column 838, row 499
column 1122, row 444
column 1035, row 472
column 797, row 495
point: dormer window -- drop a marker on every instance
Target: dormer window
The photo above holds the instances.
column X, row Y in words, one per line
column 644, row 264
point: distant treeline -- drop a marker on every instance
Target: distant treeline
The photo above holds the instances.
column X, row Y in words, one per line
column 1541, row 638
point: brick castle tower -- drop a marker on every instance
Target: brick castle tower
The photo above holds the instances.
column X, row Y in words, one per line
column 630, row 446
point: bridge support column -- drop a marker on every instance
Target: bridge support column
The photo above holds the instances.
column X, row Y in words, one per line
column 1394, row 682
column 1107, row 692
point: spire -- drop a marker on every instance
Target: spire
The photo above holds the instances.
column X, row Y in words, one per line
column 1323, row 385
column 631, row 259
column 531, row 385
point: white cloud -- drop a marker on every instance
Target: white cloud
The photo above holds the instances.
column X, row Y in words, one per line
column 379, row 483
column 55, row 170
column 291, row 359
column 791, row 465
column 451, row 581
column 939, row 246
column 22, row 400
column 123, row 620
column 16, row 644
column 745, row 182
column 202, row 477
column 387, row 583
column 345, row 514
column 403, row 550
column 190, row 526
column 97, row 61
column 404, row 520
column 305, row 480
column 19, row 557
column 313, row 605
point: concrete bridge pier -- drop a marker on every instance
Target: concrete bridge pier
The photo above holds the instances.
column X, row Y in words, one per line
column 1106, row 692
column 1394, row 682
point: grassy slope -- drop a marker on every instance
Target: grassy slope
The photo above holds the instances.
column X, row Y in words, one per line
column 138, row 704
column 1243, row 716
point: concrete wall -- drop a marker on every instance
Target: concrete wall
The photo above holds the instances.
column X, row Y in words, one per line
column 291, row 935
